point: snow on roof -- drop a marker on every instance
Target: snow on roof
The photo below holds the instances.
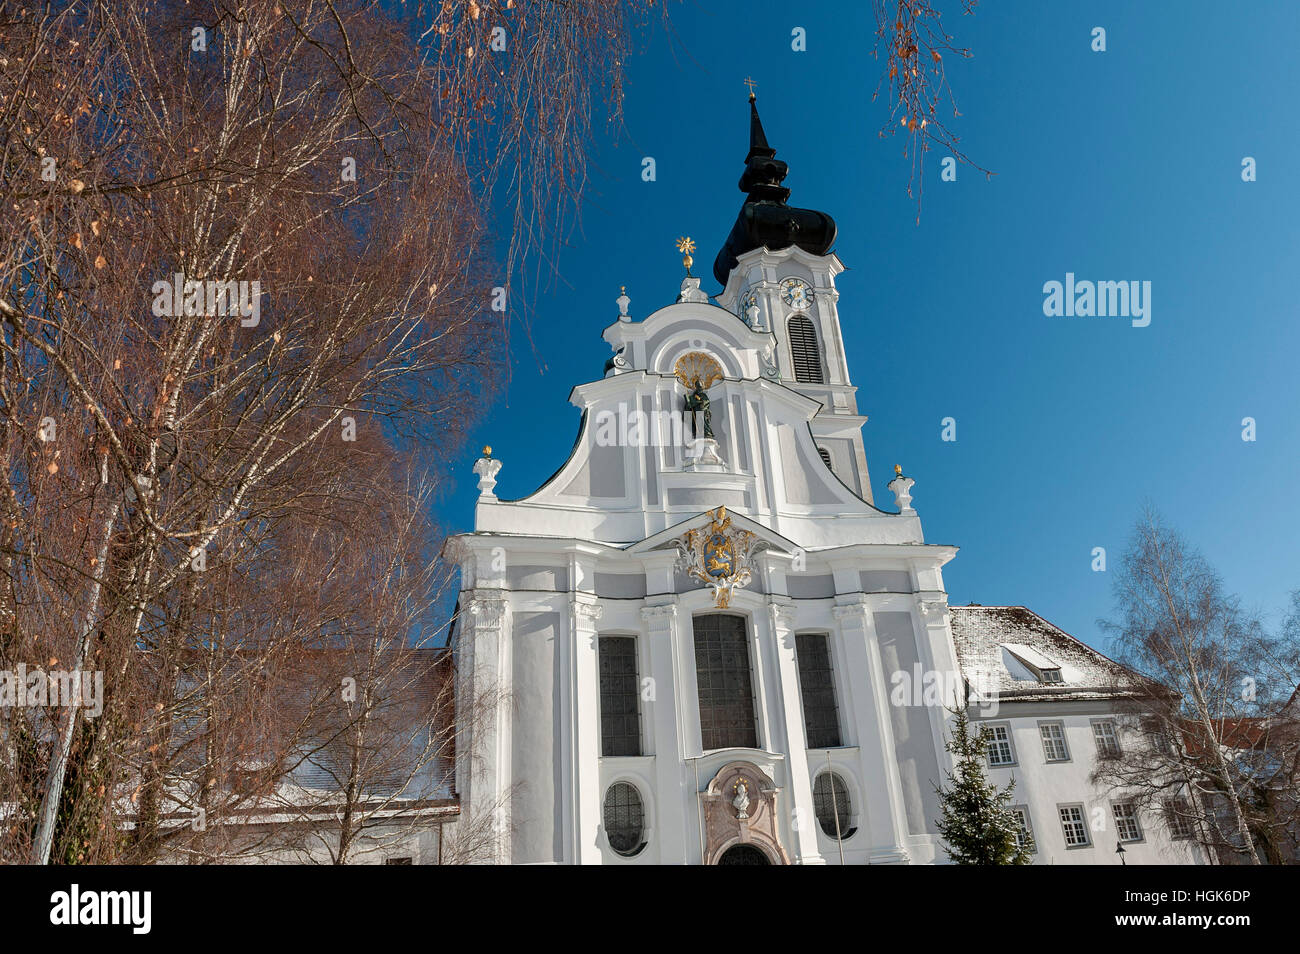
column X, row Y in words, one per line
column 1030, row 656
column 982, row 633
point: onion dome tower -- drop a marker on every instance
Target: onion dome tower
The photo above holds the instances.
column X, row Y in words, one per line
column 765, row 220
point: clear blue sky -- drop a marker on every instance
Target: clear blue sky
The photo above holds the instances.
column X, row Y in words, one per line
column 1117, row 165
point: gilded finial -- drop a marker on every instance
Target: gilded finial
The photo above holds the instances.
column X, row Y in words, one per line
column 487, row 450
column 898, row 470
column 749, row 82
column 686, row 245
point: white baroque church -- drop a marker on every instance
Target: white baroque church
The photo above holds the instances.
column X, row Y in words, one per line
column 702, row 642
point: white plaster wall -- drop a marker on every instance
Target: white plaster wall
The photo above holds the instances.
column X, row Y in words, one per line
column 1043, row 785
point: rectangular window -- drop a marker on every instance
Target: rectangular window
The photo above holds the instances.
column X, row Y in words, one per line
column 817, row 686
column 620, row 711
column 999, row 749
column 723, row 679
column 1159, row 740
column 1178, row 813
column 1074, row 826
column 1054, row 749
column 1107, row 740
column 1024, row 828
column 1127, row 827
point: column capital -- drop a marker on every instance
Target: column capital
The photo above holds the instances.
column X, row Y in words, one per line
column 854, row 609
column 933, row 606
column 585, row 612
column 488, row 612
column 784, row 612
column 659, row 616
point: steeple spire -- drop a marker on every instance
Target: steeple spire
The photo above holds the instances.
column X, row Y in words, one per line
column 765, row 220
column 757, row 138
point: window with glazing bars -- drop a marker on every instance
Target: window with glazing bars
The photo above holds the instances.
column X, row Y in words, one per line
column 723, row 680
column 1178, row 812
column 1054, row 748
column 1024, row 828
column 1073, row 826
column 620, row 715
column 1127, row 825
column 817, row 685
column 804, row 351
column 999, row 745
column 831, row 805
column 624, row 819
column 1107, row 739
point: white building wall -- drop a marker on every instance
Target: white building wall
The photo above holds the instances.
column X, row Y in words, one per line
column 1045, row 786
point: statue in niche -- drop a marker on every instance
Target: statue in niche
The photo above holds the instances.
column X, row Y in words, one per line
column 741, row 802
column 697, row 404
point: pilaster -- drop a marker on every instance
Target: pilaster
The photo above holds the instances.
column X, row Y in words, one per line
column 886, row 813
column 781, row 616
column 483, row 749
column 662, row 708
column 584, row 613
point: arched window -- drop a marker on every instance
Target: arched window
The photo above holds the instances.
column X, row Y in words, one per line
column 817, row 687
column 624, row 819
column 804, row 351
column 826, row 458
column 831, row 805
column 723, row 680
column 620, row 716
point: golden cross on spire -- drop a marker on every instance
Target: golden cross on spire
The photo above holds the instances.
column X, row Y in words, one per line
column 749, row 82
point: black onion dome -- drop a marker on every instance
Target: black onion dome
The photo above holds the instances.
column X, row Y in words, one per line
column 765, row 219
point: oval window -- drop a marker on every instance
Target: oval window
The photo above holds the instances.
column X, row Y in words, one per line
column 624, row 819
column 832, row 806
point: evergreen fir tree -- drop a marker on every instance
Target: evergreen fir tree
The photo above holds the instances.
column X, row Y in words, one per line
column 975, row 820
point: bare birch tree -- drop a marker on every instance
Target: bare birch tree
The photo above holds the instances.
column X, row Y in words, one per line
column 1193, row 749
column 236, row 237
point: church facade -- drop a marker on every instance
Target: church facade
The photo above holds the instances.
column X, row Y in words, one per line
column 702, row 641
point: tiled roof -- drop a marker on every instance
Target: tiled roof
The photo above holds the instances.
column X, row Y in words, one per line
column 979, row 633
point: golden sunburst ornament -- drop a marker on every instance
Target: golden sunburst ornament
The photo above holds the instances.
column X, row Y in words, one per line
column 686, row 245
column 697, row 366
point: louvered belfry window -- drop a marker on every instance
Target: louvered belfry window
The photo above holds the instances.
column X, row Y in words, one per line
column 804, row 351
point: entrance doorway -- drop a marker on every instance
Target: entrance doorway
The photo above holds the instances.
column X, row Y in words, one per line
column 743, row 855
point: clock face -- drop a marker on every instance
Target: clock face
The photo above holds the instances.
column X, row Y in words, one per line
column 796, row 293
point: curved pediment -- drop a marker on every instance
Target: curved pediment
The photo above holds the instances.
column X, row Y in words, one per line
column 658, row 342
